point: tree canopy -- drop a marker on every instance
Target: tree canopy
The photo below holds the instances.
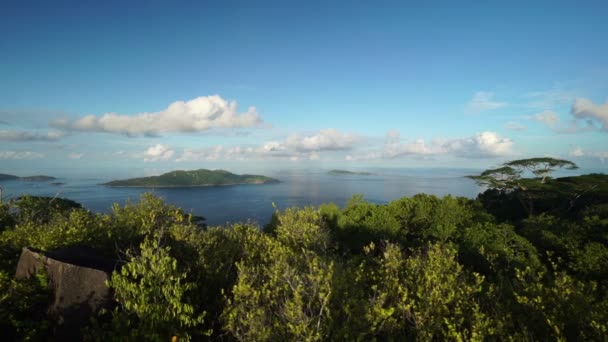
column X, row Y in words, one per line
column 420, row 268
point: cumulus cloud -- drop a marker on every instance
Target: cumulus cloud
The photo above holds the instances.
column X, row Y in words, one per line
column 218, row 152
column 158, row 152
column 585, row 109
column 394, row 148
column 368, row 155
column 577, row 152
column 273, row 146
column 13, row 135
column 482, row 145
column 196, row 115
column 294, row 147
column 20, row 155
column 483, row 101
column 324, row 140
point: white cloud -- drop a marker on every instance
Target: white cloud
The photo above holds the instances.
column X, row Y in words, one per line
column 394, row 148
column 483, row 101
column 369, row 155
column 75, row 155
column 547, row 117
column 196, row 115
column 272, row 146
column 585, row 109
column 12, row 135
column 324, row 140
column 20, row 155
column 515, row 126
column 482, row 145
column 577, row 152
column 294, row 147
column 218, row 152
column 158, row 152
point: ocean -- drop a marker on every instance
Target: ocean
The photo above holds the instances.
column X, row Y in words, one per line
column 239, row 203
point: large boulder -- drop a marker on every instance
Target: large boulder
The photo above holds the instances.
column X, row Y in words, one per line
column 77, row 276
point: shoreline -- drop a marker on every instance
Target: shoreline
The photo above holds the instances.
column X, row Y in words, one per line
column 183, row 186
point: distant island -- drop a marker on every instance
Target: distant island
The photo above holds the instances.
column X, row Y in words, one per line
column 351, row 173
column 37, row 178
column 4, row 177
column 192, row 178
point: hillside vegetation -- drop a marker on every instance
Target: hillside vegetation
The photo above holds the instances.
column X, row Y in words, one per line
column 347, row 173
column 201, row 177
column 37, row 178
column 421, row 268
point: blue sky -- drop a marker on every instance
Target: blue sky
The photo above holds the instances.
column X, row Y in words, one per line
column 155, row 86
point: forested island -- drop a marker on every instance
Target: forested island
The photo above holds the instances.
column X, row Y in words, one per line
column 347, row 173
column 37, row 178
column 201, row 177
column 527, row 260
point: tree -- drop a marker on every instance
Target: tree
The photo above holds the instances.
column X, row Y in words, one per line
column 153, row 299
column 508, row 178
column 541, row 167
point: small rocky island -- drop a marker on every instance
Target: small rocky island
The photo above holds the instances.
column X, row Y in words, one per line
column 193, row 178
column 37, row 178
column 348, row 173
column 4, row 177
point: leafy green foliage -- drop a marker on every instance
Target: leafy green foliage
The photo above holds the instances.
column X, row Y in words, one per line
column 284, row 285
column 22, row 307
column 193, row 178
column 527, row 260
column 152, row 291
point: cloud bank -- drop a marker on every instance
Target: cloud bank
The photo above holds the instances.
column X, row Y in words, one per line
column 196, row 115
column 293, row 147
column 12, row 135
column 158, row 152
column 585, row 109
column 482, row 145
column 20, row 155
column 578, row 152
column 324, row 140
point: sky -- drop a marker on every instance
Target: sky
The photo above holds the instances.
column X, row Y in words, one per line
column 153, row 86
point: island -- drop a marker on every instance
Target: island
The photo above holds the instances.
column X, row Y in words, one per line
column 4, row 177
column 37, row 178
column 348, row 173
column 193, row 178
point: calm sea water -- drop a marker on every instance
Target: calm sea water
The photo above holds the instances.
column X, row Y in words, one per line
column 221, row 204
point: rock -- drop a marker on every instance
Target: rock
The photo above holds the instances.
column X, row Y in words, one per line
column 77, row 277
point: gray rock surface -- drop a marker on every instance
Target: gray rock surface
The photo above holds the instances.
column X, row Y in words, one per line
column 77, row 277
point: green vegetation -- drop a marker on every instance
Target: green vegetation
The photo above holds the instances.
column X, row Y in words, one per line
column 4, row 176
column 420, row 268
column 200, row 177
column 37, row 178
column 347, row 173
